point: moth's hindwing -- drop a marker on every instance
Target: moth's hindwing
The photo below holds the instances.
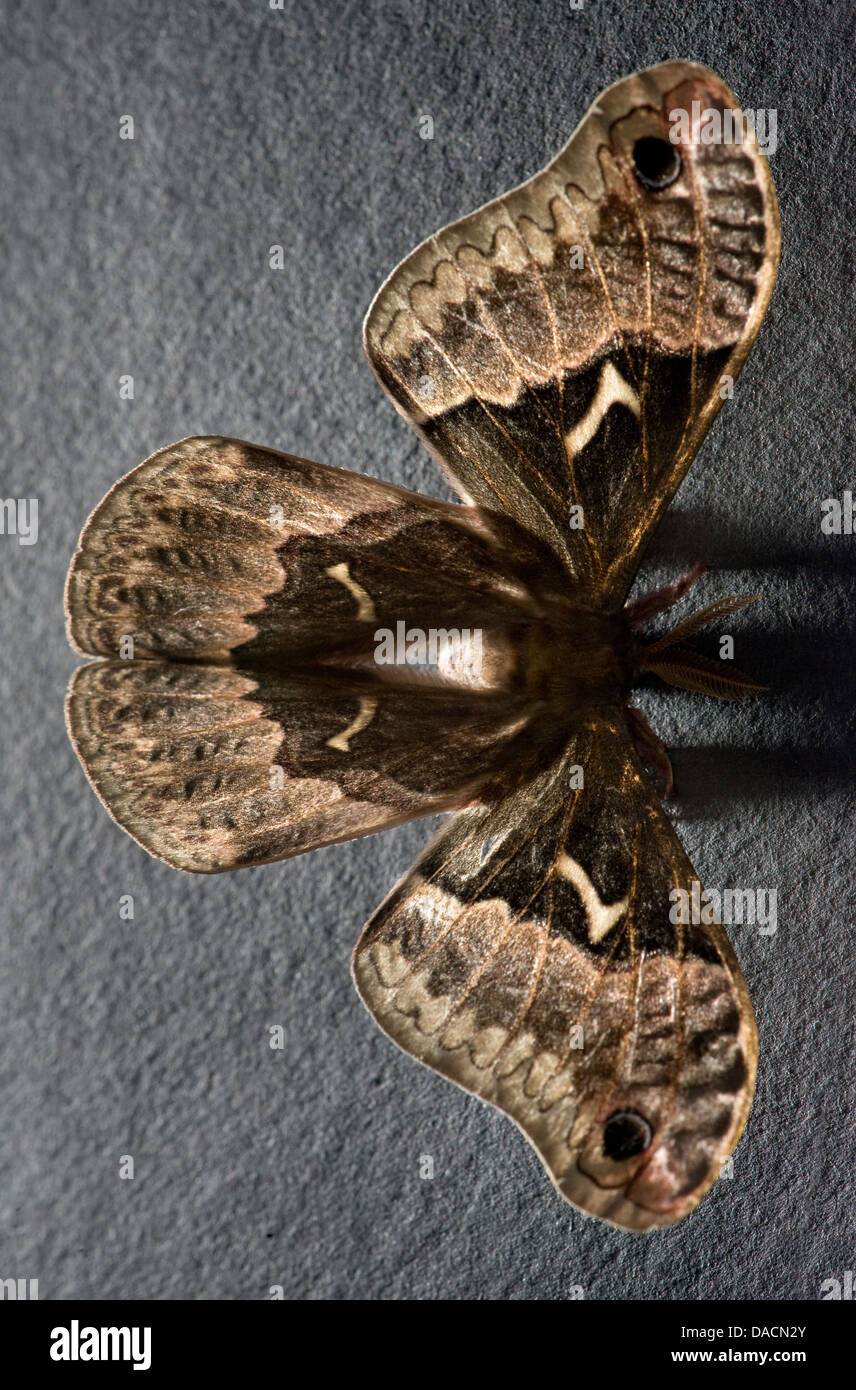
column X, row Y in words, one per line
column 221, row 578
column 219, row 767
column 568, row 345
column 215, row 549
column 530, row 956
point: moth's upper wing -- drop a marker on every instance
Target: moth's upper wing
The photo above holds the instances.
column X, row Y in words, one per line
column 531, row 957
column 216, row 549
column 218, row 767
column 564, row 345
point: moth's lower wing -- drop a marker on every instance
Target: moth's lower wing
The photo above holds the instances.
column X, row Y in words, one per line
column 565, row 346
column 213, row 767
column 215, row 549
column 530, row 956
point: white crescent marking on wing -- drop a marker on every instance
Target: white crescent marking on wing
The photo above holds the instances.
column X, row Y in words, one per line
column 365, row 603
column 601, row 918
column 368, row 705
column 613, row 390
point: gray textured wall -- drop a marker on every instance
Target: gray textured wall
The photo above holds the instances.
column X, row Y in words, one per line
column 301, row 1167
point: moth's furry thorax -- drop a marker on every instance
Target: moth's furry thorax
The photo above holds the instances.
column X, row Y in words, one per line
column 573, row 659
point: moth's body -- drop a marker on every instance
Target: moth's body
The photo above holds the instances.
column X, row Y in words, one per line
column 555, row 670
column 561, row 352
column 572, row 659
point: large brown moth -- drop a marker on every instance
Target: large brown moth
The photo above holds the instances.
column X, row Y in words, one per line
column 561, row 352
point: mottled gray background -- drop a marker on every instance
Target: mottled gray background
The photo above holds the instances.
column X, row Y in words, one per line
column 256, row 126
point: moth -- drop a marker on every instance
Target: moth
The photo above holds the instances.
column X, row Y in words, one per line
column 562, row 353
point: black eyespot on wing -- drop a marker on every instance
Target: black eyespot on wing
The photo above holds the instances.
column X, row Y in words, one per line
column 625, row 1134
column 656, row 163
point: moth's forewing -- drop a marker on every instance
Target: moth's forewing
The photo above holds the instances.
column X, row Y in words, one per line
column 568, row 345
column 562, row 352
column 530, row 956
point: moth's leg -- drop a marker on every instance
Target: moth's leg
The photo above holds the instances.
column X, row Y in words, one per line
column 650, row 747
column 648, row 605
